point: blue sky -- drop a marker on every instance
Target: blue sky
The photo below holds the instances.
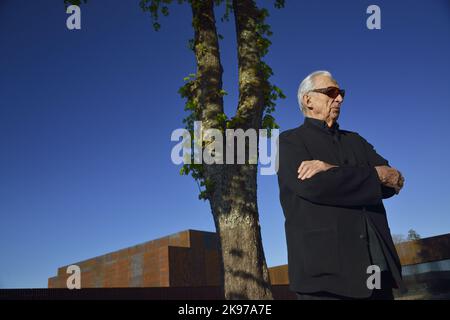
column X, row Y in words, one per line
column 86, row 118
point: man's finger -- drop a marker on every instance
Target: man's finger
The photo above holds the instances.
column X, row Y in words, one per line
column 303, row 172
column 300, row 166
column 311, row 173
column 306, row 174
column 305, row 168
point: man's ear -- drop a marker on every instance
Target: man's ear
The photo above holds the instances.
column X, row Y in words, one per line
column 307, row 101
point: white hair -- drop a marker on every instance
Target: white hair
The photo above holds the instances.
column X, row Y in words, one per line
column 307, row 85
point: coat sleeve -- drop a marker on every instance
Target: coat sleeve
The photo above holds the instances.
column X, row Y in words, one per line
column 377, row 160
column 338, row 186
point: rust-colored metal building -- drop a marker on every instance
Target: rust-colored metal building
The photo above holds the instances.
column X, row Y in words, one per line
column 187, row 258
column 191, row 259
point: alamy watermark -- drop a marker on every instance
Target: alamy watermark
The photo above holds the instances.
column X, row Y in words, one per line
column 374, row 20
column 74, row 280
column 374, row 280
column 207, row 146
column 73, row 21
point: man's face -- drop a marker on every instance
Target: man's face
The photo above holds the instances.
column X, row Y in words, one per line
column 319, row 105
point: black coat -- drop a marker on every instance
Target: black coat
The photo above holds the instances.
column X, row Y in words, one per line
column 326, row 215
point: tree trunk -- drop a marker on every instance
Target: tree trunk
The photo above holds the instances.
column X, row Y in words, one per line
column 245, row 270
column 233, row 198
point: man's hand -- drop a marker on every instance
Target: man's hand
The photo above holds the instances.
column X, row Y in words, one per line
column 390, row 177
column 309, row 168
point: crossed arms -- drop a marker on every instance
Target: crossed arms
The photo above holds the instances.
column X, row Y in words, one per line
column 389, row 177
column 324, row 183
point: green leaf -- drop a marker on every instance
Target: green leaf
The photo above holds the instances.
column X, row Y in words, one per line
column 279, row 4
column 156, row 26
column 165, row 11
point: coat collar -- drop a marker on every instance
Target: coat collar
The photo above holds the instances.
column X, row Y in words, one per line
column 322, row 125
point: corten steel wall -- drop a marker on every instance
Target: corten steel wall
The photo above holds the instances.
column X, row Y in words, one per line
column 188, row 258
column 191, row 258
column 424, row 250
column 425, row 264
column 198, row 264
column 427, row 250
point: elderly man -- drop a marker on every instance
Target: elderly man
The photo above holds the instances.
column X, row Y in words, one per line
column 332, row 183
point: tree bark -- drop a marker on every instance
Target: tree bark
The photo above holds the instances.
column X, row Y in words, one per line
column 233, row 199
column 251, row 79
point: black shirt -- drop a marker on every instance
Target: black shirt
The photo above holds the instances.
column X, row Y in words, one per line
column 329, row 217
column 373, row 243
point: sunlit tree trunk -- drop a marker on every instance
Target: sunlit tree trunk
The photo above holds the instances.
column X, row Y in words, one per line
column 233, row 197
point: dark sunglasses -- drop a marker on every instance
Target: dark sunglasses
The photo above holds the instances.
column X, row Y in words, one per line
column 332, row 92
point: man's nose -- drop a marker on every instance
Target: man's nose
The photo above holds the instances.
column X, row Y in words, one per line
column 339, row 98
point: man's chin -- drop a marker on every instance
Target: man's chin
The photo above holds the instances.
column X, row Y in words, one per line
column 334, row 117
